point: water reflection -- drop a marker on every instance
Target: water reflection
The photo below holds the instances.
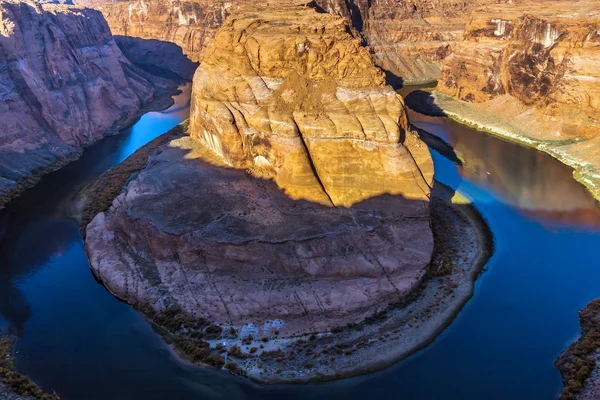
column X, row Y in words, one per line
column 526, row 179
column 36, row 227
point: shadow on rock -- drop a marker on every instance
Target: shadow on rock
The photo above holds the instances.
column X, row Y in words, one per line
column 422, row 102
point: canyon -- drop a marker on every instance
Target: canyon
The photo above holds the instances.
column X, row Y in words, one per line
column 64, row 84
column 292, row 229
column 408, row 39
column 530, row 72
column 299, row 155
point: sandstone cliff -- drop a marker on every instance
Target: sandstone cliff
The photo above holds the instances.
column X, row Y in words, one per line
column 288, row 95
column 409, row 39
column 530, row 71
column 63, row 84
column 292, row 96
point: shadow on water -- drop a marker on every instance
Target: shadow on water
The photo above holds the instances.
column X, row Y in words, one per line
column 78, row 339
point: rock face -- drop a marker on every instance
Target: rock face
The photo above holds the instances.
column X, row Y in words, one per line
column 408, row 38
column 293, row 96
column 63, row 84
column 287, row 95
column 531, row 71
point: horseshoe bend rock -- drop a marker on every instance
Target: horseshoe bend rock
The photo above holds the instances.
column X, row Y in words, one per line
column 332, row 223
column 293, row 96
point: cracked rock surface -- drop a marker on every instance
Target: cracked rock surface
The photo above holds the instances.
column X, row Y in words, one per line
column 332, row 223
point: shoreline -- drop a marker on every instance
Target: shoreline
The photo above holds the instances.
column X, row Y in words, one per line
column 162, row 101
column 98, row 195
column 440, row 105
column 578, row 363
column 343, row 352
column 13, row 385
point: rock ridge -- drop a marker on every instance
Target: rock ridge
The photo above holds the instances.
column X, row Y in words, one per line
column 65, row 84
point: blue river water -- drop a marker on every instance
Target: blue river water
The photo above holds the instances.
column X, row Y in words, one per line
column 77, row 339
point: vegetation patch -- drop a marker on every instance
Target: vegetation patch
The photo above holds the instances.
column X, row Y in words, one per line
column 185, row 333
column 20, row 384
column 579, row 360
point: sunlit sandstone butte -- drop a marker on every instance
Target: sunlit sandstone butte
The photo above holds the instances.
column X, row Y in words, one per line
column 313, row 210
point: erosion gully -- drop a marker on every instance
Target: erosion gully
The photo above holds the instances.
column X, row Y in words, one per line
column 77, row 339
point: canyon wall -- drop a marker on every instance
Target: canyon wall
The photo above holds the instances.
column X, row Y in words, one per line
column 408, row 39
column 64, row 84
column 531, row 72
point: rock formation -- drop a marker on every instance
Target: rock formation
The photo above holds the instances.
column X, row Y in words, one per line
column 578, row 364
column 530, row 71
column 292, row 96
column 63, row 85
column 409, row 39
column 288, row 95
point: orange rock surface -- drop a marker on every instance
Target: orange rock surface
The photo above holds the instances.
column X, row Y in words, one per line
column 531, row 71
column 64, row 84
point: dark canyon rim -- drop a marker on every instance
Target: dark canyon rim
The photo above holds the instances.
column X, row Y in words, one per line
column 77, row 339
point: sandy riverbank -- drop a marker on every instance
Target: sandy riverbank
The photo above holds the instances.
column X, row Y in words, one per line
column 583, row 155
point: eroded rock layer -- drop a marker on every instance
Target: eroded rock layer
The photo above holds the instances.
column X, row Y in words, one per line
column 293, row 96
column 531, row 71
column 408, row 38
column 287, row 95
column 63, row 84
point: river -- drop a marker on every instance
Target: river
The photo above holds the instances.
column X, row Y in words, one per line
column 77, row 339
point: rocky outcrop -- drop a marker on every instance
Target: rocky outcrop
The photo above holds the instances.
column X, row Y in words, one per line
column 409, row 39
column 63, row 85
column 297, row 209
column 529, row 71
column 288, row 95
column 294, row 97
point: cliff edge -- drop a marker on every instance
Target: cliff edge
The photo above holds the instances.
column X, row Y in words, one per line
column 64, row 84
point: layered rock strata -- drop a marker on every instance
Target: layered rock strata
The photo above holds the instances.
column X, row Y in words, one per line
column 294, row 97
column 409, row 39
column 531, row 72
column 288, row 95
column 63, row 85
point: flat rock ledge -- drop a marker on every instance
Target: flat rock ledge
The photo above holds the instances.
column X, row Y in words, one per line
column 236, row 274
